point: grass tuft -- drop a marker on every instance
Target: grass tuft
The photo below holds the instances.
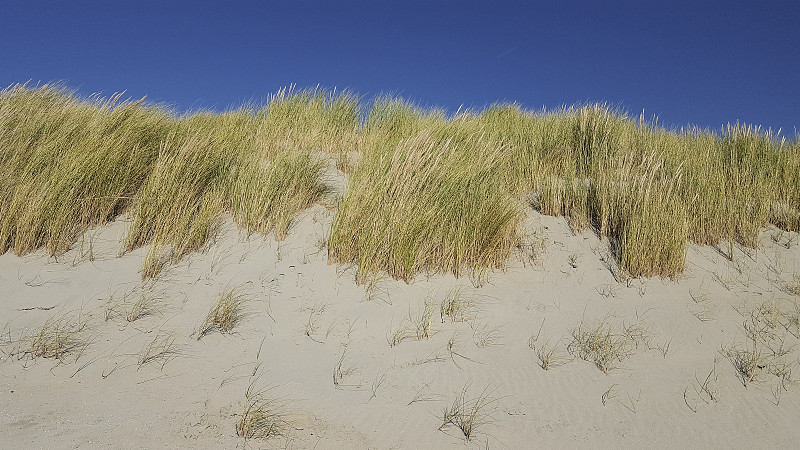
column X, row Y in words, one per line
column 458, row 306
column 601, row 344
column 145, row 306
column 261, row 417
column 467, row 413
column 161, row 349
column 425, row 205
column 59, row 337
column 225, row 314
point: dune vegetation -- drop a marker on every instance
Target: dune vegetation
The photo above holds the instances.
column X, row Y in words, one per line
column 427, row 192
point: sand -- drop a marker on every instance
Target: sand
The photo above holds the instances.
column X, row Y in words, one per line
column 317, row 347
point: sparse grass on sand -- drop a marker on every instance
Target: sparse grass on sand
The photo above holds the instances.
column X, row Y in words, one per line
column 772, row 337
column 459, row 306
column 61, row 336
column 605, row 344
column 469, row 413
column 225, row 314
column 161, row 350
column 427, row 192
column 261, row 416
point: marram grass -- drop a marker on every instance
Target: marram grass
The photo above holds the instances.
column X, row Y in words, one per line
column 68, row 164
column 427, row 205
column 427, row 192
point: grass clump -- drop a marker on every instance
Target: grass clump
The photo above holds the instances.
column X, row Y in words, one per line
column 260, row 416
column 180, row 204
column 180, row 207
column 601, row 344
column 265, row 199
column 59, row 337
column 428, row 192
column 68, row 164
column 468, row 413
column 161, row 349
column 458, row 305
column 425, row 206
column 314, row 119
column 225, row 314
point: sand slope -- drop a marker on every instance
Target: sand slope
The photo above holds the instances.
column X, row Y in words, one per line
column 318, row 346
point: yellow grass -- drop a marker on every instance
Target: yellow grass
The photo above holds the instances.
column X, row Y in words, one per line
column 427, row 192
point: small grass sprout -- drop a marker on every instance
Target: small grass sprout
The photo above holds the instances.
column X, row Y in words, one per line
column 342, row 369
column 145, row 306
column 600, row 344
column 59, row 337
column 424, row 322
column 485, row 335
column 469, row 413
column 549, row 355
column 225, row 314
column 458, row 306
column 748, row 361
column 793, row 287
column 419, row 326
column 397, row 335
column 161, row 349
column 261, row 416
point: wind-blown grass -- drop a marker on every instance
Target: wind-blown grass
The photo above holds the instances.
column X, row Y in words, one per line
column 427, row 192
column 428, row 205
column 66, row 164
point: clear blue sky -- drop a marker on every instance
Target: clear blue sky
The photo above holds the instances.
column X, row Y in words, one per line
column 704, row 63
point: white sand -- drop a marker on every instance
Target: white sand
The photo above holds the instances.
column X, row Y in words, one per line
column 392, row 397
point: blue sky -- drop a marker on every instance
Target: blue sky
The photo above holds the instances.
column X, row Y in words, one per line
column 703, row 63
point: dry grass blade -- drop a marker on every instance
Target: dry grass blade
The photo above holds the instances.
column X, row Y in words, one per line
column 261, row 416
column 59, row 337
column 458, row 306
column 468, row 413
column 225, row 314
column 601, row 344
column 161, row 349
column 550, row 356
column 143, row 307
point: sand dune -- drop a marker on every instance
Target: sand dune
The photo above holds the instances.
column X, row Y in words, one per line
column 347, row 366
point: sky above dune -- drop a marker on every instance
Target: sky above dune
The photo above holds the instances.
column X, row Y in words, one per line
column 699, row 63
